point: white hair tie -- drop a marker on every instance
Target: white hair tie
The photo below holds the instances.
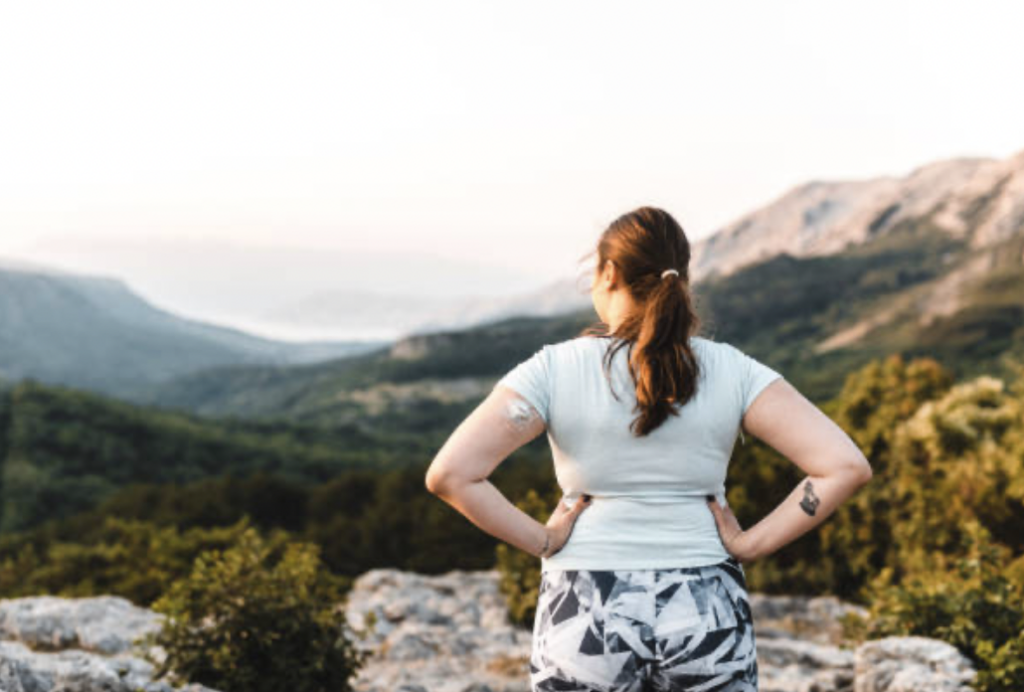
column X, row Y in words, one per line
column 669, row 271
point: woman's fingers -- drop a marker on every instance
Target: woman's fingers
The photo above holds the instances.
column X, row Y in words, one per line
column 727, row 524
column 716, row 511
column 581, row 504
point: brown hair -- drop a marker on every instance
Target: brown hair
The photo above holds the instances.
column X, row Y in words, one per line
column 642, row 244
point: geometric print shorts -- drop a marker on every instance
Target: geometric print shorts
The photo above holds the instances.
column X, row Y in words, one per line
column 634, row 630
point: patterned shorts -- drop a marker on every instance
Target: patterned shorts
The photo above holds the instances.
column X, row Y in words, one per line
column 682, row 628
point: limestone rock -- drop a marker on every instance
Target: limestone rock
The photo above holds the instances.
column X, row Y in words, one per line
column 104, row 624
column 51, row 644
column 812, row 618
column 72, row 670
column 444, row 633
column 911, row 664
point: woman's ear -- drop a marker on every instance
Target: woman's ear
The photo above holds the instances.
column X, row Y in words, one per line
column 609, row 275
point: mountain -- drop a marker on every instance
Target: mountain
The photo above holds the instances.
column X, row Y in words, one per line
column 95, row 333
column 978, row 199
column 967, row 195
column 824, row 279
column 930, row 263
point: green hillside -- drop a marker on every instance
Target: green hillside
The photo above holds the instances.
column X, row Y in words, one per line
column 783, row 310
column 62, row 450
column 399, row 389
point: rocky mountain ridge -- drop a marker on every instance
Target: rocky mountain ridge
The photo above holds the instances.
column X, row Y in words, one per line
column 978, row 199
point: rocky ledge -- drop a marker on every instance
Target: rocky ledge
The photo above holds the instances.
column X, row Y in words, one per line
column 50, row 644
column 450, row 633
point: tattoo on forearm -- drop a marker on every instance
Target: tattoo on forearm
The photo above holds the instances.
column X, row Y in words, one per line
column 810, row 501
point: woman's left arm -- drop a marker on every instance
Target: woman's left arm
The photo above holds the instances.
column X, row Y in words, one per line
column 502, row 423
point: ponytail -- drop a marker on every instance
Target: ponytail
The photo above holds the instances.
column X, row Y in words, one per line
column 653, row 254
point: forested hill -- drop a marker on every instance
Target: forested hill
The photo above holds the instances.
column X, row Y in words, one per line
column 399, row 385
column 62, row 450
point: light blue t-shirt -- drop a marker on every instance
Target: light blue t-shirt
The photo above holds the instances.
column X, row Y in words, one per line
column 649, row 508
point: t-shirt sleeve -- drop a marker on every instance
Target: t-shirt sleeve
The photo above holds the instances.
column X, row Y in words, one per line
column 755, row 376
column 531, row 379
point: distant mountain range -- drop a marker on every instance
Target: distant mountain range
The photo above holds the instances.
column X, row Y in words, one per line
column 95, row 333
column 929, row 262
column 927, row 265
column 979, row 197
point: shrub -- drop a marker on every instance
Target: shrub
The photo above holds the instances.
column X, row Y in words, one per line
column 968, row 600
column 258, row 617
column 135, row 559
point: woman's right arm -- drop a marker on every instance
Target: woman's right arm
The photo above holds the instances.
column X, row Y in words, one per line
column 783, row 418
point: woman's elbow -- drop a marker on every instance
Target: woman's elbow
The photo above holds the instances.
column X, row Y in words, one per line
column 445, row 483
column 860, row 471
column 436, row 482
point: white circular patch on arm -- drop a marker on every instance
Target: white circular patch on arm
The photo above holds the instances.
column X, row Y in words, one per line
column 519, row 413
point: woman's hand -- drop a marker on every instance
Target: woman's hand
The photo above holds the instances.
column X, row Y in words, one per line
column 734, row 538
column 562, row 520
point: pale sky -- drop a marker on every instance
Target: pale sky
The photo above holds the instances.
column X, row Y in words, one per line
column 498, row 135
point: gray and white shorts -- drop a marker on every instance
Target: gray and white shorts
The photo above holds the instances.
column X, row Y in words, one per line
column 681, row 628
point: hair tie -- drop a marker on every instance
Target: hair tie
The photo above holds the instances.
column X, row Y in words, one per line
column 669, row 271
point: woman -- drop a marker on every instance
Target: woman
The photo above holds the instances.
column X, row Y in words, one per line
column 642, row 582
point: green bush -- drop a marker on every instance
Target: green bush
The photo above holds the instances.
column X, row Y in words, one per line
column 126, row 557
column 968, row 601
column 262, row 616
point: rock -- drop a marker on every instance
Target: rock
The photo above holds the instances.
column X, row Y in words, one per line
column 792, row 665
column 105, row 624
column 814, row 618
column 56, row 644
column 477, row 687
column 782, row 652
column 410, row 646
column 442, row 633
column 911, row 664
column 72, row 670
column 451, row 633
